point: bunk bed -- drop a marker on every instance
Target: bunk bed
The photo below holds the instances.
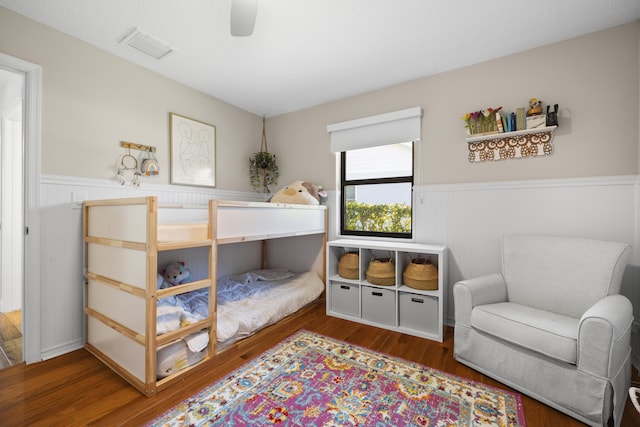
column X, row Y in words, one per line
column 132, row 325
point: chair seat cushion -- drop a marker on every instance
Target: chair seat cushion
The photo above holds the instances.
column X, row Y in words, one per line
column 541, row 331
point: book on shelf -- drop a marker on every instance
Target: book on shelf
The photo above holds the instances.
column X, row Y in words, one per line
column 499, row 124
column 505, row 121
column 512, row 122
column 520, row 119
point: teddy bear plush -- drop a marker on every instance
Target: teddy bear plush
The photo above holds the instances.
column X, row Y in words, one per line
column 175, row 274
column 300, row 193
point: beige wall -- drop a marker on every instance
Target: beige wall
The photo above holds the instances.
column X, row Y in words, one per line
column 92, row 100
column 593, row 78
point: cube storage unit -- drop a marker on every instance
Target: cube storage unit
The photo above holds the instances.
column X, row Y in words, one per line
column 395, row 307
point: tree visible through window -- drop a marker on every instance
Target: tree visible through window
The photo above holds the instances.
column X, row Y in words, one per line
column 376, row 188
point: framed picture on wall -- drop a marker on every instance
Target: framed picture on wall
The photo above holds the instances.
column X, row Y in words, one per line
column 193, row 151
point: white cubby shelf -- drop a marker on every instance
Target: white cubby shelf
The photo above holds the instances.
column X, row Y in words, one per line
column 396, row 307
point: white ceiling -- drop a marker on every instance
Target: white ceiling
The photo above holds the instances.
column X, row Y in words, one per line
column 309, row 52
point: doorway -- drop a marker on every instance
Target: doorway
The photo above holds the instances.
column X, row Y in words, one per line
column 20, row 135
column 12, row 85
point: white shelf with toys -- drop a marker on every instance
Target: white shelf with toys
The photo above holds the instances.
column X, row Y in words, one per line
column 514, row 134
column 496, row 135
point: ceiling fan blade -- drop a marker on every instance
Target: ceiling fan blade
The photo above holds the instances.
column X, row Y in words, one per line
column 243, row 17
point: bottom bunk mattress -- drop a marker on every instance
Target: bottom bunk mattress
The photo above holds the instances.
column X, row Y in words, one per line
column 249, row 302
column 246, row 302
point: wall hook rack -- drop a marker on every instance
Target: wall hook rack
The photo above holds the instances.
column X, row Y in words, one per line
column 134, row 146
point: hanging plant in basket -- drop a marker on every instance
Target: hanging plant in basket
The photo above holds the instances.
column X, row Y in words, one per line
column 263, row 168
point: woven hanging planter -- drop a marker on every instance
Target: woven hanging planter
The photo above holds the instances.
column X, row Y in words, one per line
column 421, row 274
column 263, row 168
column 348, row 265
column 382, row 271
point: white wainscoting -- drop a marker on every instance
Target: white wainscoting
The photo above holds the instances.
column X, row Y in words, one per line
column 468, row 218
column 471, row 218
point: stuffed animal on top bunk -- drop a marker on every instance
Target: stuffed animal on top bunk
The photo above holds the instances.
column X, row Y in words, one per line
column 300, row 193
column 175, row 274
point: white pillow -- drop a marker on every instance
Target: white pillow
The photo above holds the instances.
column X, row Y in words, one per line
column 270, row 274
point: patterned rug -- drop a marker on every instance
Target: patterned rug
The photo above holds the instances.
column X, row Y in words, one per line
column 313, row 380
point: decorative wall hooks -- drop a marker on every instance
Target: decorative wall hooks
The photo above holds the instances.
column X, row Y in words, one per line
column 133, row 145
column 129, row 169
column 127, row 172
column 149, row 165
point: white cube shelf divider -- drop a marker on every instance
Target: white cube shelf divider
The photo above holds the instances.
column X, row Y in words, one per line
column 396, row 307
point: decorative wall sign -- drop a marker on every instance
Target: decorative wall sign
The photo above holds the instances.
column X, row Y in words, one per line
column 193, row 147
column 511, row 145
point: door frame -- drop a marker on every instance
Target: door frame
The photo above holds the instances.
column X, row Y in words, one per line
column 32, row 145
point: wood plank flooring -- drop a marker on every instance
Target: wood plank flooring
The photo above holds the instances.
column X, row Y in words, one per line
column 77, row 390
column 10, row 338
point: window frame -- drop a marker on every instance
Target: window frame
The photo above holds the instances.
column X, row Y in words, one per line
column 374, row 181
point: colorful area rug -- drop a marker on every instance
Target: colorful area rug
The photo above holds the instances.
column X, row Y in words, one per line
column 313, row 380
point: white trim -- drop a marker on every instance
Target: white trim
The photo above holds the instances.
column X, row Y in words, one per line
column 389, row 128
column 538, row 183
column 32, row 138
column 63, row 348
column 145, row 187
column 33, row 95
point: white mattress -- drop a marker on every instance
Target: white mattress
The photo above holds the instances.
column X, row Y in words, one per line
column 267, row 302
column 246, row 302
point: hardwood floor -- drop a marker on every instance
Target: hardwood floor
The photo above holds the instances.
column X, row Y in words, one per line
column 77, row 390
column 10, row 338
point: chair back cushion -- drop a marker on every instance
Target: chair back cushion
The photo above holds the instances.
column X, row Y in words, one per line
column 560, row 274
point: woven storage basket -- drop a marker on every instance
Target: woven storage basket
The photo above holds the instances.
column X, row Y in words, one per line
column 421, row 274
column 382, row 271
column 348, row 265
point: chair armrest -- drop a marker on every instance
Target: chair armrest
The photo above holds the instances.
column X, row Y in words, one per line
column 604, row 336
column 477, row 291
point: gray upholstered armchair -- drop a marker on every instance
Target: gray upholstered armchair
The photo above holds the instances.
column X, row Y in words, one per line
column 552, row 325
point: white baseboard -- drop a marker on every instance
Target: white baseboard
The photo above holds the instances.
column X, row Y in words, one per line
column 61, row 349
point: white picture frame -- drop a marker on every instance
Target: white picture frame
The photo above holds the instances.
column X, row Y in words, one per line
column 193, row 148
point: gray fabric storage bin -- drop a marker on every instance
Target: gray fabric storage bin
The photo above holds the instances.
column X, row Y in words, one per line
column 344, row 298
column 418, row 312
column 379, row 305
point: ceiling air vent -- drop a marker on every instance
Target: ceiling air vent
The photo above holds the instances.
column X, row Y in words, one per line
column 147, row 44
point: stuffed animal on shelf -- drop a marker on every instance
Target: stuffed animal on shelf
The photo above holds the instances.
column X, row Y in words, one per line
column 300, row 193
column 535, row 107
column 175, row 274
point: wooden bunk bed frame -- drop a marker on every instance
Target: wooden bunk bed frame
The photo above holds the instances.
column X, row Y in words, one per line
column 123, row 238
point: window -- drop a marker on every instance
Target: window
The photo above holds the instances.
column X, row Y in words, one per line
column 376, row 186
column 377, row 172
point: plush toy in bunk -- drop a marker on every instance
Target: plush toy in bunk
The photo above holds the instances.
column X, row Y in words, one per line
column 300, row 193
column 174, row 274
column 177, row 311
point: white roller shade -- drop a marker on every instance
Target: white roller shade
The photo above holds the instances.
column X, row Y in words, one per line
column 390, row 128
